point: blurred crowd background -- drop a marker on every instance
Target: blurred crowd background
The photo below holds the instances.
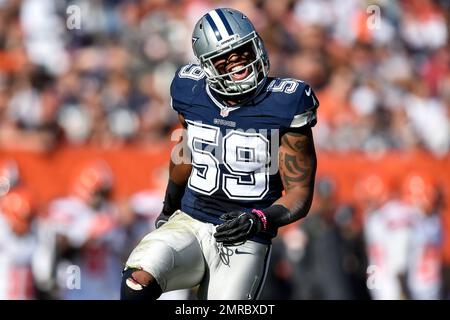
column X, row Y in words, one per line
column 85, row 129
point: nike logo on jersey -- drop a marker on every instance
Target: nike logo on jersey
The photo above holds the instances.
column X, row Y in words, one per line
column 308, row 91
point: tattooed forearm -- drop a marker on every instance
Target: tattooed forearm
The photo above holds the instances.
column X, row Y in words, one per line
column 293, row 173
column 297, row 164
column 297, row 160
column 296, row 142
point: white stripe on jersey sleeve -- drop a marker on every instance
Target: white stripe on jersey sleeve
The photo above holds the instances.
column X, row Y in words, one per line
column 303, row 119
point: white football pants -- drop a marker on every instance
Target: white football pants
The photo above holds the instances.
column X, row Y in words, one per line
column 183, row 253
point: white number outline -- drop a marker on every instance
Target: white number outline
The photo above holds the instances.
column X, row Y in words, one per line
column 192, row 140
column 195, row 166
column 236, row 175
column 191, row 71
column 286, row 85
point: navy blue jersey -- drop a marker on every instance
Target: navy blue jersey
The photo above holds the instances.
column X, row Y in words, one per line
column 234, row 150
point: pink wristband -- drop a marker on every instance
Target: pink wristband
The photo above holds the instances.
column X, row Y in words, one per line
column 262, row 217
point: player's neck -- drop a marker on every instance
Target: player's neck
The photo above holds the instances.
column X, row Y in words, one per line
column 235, row 101
column 231, row 103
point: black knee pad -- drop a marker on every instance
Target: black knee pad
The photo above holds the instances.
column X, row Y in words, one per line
column 131, row 290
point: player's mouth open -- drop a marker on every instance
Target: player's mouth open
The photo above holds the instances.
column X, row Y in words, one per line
column 239, row 72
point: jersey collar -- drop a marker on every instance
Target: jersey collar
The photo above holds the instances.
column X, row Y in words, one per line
column 224, row 110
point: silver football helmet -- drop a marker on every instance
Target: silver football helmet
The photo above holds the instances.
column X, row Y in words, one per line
column 217, row 33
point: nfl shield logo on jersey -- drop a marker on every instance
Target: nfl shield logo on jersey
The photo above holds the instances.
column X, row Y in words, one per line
column 224, row 112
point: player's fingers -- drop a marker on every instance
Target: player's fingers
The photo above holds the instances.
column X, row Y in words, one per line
column 229, row 215
column 239, row 233
column 226, row 231
column 221, row 237
column 227, row 225
column 238, row 229
column 225, row 217
column 223, row 228
column 221, row 234
column 224, row 238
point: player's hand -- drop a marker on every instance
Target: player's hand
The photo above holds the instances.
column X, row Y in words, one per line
column 238, row 227
column 162, row 218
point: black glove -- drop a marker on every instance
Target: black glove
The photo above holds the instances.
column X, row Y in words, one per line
column 239, row 227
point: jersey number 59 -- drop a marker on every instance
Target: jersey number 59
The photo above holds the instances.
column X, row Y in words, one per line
column 237, row 162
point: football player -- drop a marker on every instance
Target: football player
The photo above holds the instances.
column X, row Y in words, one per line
column 248, row 137
column 87, row 233
column 423, row 275
column 18, row 244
